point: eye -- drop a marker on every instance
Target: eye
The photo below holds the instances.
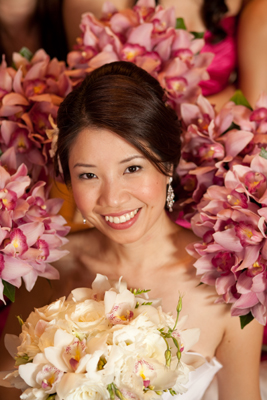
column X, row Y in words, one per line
column 88, row 175
column 132, row 169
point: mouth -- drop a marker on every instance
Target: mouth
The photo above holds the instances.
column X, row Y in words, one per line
column 122, row 221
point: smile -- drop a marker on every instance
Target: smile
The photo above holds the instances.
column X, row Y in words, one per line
column 122, row 218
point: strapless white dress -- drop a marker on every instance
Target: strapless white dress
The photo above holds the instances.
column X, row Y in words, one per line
column 202, row 384
column 199, row 381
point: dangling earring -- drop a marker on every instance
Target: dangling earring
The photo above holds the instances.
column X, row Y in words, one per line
column 170, row 196
column 84, row 221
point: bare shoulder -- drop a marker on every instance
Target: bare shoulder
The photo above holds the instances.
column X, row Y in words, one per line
column 255, row 12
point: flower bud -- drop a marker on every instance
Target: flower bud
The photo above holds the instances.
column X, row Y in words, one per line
column 168, row 357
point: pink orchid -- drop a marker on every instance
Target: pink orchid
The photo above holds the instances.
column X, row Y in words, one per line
column 146, row 36
column 31, row 233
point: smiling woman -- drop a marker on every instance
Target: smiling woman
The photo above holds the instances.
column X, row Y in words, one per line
column 118, row 146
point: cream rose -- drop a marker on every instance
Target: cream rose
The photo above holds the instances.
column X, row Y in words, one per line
column 77, row 387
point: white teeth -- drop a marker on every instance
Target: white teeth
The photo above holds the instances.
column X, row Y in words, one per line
column 122, row 218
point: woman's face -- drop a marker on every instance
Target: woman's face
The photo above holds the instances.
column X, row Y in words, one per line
column 115, row 187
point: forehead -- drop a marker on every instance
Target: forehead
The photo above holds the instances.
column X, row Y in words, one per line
column 98, row 143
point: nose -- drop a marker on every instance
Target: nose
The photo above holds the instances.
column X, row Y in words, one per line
column 113, row 194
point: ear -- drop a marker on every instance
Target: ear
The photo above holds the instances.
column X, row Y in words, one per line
column 170, row 175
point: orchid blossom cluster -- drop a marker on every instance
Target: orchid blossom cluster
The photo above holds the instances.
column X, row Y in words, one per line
column 147, row 36
column 101, row 342
column 31, row 232
column 224, row 173
column 30, row 93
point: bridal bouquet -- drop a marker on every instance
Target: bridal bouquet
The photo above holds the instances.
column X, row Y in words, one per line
column 224, row 180
column 100, row 343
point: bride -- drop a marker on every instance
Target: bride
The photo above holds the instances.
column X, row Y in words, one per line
column 118, row 148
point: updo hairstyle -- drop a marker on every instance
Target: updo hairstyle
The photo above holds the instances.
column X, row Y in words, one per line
column 124, row 99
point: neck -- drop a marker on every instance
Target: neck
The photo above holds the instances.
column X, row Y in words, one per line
column 149, row 252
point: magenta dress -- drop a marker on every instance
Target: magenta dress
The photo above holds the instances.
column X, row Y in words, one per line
column 224, row 63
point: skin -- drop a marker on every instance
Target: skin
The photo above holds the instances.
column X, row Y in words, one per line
column 17, row 29
column 252, row 37
column 150, row 254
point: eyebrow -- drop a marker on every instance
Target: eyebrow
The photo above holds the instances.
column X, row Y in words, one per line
column 131, row 158
column 121, row 162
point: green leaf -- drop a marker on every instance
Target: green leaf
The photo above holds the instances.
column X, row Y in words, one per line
column 9, row 291
column 197, row 35
column 51, row 396
column 26, row 53
column 20, row 320
column 21, row 360
column 136, row 292
column 263, row 153
column 232, row 126
column 239, row 99
column 245, row 319
column 49, row 283
column 180, row 24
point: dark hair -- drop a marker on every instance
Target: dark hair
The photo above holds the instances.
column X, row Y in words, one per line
column 49, row 14
column 212, row 12
column 126, row 100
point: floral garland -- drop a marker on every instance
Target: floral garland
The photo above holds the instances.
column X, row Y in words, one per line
column 223, row 180
column 149, row 37
column 31, row 229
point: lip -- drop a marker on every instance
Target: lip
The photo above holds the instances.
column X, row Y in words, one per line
column 123, row 225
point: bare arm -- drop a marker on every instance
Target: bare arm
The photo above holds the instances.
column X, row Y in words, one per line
column 73, row 9
column 239, row 352
column 252, row 54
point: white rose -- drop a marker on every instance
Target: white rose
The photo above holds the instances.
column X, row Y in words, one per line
column 77, row 387
column 88, row 315
column 54, row 310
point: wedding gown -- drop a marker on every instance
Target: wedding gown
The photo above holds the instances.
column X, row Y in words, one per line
column 199, row 381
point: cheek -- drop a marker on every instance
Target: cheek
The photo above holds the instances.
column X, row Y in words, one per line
column 153, row 191
column 83, row 197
